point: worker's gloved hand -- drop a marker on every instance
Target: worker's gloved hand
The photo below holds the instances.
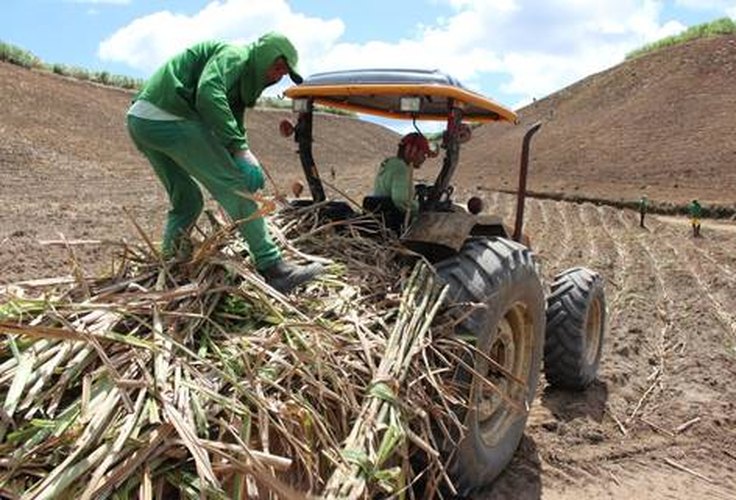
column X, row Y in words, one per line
column 251, row 168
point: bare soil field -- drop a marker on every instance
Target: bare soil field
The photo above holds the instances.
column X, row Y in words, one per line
column 659, row 423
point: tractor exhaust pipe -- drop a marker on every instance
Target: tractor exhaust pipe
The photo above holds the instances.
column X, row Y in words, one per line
column 521, row 193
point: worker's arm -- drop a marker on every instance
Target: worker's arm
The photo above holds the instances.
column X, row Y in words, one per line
column 222, row 72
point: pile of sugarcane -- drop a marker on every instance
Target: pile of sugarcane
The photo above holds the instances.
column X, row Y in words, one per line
column 194, row 379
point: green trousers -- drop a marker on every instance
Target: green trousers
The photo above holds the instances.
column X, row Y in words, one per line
column 183, row 150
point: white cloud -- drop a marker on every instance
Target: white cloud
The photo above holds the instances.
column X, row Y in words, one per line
column 148, row 41
column 543, row 46
column 426, row 53
column 534, row 47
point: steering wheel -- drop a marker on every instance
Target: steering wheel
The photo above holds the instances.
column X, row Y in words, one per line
column 422, row 193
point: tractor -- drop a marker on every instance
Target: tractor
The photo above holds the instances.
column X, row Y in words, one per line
column 523, row 323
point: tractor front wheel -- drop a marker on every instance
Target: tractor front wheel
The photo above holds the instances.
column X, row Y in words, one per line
column 576, row 319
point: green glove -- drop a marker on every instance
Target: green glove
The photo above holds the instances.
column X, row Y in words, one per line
column 253, row 173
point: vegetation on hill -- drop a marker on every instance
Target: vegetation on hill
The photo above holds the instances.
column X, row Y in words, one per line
column 16, row 55
column 21, row 57
column 723, row 26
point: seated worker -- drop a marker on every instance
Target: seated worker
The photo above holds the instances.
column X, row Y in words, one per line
column 395, row 180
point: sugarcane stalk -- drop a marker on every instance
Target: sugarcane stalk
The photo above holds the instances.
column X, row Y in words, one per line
column 128, row 426
column 20, row 380
column 129, row 465
column 420, row 301
column 43, row 348
column 301, row 374
column 67, row 475
column 188, row 435
column 44, row 372
column 75, row 366
column 77, row 462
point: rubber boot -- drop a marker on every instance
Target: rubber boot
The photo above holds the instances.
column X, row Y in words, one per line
column 180, row 249
column 284, row 277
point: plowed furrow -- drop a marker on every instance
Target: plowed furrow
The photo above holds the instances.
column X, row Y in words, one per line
column 614, row 275
column 716, row 250
column 607, row 259
column 590, row 253
column 717, row 244
column 501, row 204
column 703, row 300
column 669, row 474
column 545, row 234
column 560, row 218
column 492, row 201
column 534, row 224
column 696, row 344
column 659, row 420
column 659, row 334
column 710, row 285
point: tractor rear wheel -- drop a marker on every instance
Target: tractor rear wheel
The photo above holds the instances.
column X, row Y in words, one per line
column 500, row 380
column 576, row 319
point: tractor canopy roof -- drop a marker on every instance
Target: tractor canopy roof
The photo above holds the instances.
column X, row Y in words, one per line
column 399, row 93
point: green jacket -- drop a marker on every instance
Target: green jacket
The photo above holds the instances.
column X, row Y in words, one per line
column 695, row 209
column 395, row 179
column 214, row 82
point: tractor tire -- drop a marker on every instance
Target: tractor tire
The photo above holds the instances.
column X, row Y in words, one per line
column 500, row 275
column 576, row 319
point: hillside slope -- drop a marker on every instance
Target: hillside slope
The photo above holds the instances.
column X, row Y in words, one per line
column 660, row 124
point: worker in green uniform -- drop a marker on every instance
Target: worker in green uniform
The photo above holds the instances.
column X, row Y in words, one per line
column 643, row 208
column 395, row 177
column 188, row 120
column 695, row 211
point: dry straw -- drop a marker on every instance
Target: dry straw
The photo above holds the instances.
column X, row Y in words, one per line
column 195, row 377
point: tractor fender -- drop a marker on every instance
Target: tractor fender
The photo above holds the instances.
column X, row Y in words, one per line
column 441, row 234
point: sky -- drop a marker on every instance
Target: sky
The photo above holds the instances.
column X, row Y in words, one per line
column 512, row 51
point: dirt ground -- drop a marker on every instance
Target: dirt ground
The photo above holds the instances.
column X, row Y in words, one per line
column 659, row 423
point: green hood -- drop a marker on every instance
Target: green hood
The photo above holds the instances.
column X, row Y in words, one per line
column 262, row 53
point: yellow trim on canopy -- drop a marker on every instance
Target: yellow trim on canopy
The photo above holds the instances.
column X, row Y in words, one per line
column 327, row 95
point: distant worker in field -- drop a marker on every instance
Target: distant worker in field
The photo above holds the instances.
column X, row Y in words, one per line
column 695, row 211
column 395, row 178
column 643, row 208
column 188, row 120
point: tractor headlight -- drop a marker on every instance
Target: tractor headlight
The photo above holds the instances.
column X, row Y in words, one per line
column 410, row 104
column 300, row 105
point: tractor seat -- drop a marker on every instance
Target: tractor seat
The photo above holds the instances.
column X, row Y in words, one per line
column 383, row 207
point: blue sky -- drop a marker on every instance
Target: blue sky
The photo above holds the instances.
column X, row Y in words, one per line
column 510, row 50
